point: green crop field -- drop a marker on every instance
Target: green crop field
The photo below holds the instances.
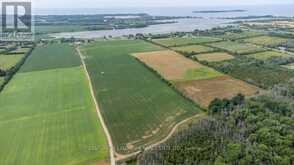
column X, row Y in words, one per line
column 267, row 40
column 47, row 117
column 138, row 107
column 170, row 42
column 8, row 61
column 267, row 55
column 201, row 74
column 236, row 47
column 193, row 49
column 52, row 56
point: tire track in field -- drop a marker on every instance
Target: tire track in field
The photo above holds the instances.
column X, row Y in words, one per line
column 109, row 140
column 120, row 157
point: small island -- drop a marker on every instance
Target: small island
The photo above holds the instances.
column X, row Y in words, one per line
column 219, row 11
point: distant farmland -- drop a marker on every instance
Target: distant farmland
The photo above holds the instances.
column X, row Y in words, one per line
column 200, row 83
column 170, row 42
column 236, row 47
column 244, row 34
column 47, row 116
column 138, row 107
column 246, row 69
column 193, row 49
column 175, row 67
column 205, row 90
column 267, row 41
column 268, row 54
column 214, row 57
column 50, row 57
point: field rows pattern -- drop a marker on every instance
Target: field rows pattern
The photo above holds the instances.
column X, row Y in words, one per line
column 138, row 107
column 47, row 116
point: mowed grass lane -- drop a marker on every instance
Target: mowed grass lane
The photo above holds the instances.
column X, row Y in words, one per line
column 138, row 107
column 47, row 117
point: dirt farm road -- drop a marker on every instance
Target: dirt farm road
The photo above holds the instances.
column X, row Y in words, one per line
column 109, row 140
column 172, row 132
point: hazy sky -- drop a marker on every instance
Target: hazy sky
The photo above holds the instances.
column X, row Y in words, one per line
column 148, row 3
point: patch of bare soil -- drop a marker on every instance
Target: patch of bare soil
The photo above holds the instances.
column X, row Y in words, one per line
column 169, row 64
column 204, row 91
column 102, row 162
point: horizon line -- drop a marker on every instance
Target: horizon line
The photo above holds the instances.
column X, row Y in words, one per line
column 140, row 7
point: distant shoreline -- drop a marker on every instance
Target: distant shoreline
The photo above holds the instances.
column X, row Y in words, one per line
column 219, row 11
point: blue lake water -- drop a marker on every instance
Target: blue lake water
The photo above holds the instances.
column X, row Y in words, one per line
column 182, row 25
column 207, row 22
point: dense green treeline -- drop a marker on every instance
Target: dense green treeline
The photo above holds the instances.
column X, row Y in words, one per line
column 255, row 131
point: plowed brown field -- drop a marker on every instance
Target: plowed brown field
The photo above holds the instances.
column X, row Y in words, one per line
column 204, row 91
column 169, row 64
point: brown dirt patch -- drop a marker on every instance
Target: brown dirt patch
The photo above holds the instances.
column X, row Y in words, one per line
column 169, row 64
column 204, row 91
column 102, row 162
column 130, row 146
